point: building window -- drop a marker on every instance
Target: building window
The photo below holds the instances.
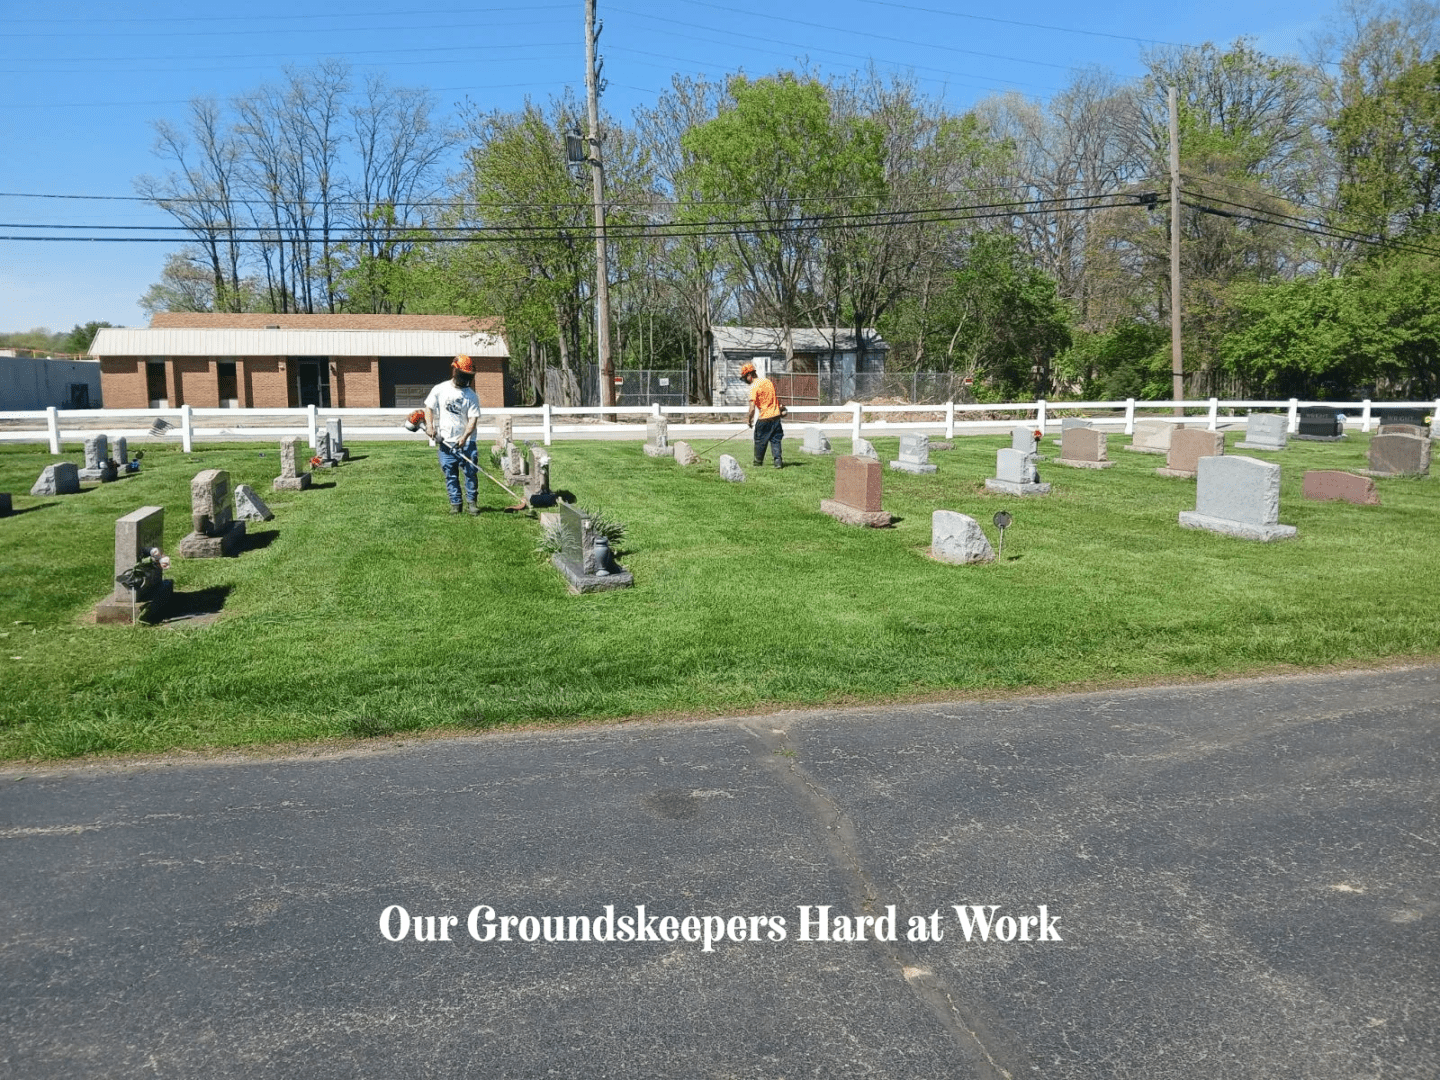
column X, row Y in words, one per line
column 155, row 391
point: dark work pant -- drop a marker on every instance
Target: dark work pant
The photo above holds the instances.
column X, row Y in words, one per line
column 768, row 432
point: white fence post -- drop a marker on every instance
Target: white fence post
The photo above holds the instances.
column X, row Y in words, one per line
column 187, row 428
column 855, row 421
column 312, row 421
column 1130, row 416
column 1040, row 415
column 1365, row 415
column 52, row 421
column 950, row 419
column 1292, row 425
column 545, row 422
column 1214, row 414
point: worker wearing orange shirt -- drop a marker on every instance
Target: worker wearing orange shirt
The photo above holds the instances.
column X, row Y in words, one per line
column 766, row 402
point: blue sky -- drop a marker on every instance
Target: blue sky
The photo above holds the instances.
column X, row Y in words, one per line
column 85, row 81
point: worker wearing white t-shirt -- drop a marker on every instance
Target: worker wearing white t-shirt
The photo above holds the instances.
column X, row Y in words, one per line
column 451, row 412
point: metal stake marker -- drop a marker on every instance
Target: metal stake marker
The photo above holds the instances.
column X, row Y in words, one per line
column 1002, row 522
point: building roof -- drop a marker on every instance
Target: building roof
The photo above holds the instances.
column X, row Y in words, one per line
column 224, row 320
column 126, row 341
column 771, row 339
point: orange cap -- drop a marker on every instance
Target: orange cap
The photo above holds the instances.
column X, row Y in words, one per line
column 465, row 364
column 747, row 369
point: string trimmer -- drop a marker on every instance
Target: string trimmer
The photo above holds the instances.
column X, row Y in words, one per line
column 416, row 422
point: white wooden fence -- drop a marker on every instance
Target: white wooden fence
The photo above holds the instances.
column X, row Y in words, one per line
column 551, row 423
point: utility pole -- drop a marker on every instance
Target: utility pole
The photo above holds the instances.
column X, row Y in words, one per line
column 597, row 176
column 1177, row 364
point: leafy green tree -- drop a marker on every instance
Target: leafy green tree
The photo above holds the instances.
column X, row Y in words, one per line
column 1374, row 331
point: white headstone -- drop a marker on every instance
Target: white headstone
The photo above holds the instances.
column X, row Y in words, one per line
column 814, row 440
column 1264, row 431
column 730, row 469
column 863, row 448
column 249, row 506
column 1023, row 439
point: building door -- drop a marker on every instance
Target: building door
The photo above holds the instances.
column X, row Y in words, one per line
column 155, row 384
column 313, row 375
column 228, row 384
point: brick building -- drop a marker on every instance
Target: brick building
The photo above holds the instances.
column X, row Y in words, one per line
column 223, row 360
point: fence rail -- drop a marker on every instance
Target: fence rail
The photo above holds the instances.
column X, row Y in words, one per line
column 549, row 423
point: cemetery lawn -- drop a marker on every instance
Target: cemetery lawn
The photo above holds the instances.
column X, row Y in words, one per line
column 365, row 610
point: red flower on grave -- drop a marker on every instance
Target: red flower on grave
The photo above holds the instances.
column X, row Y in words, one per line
column 315, row 461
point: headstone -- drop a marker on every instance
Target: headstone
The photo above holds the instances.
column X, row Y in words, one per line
column 1153, row 436
column 135, row 535
column 504, row 433
column 1237, row 496
column 1320, row 423
column 1399, row 455
column 1324, row 485
column 1023, row 438
column 336, row 430
column 322, row 454
column 858, row 488
column 914, row 455
column 537, row 480
column 513, row 463
column 814, row 440
column 1264, row 431
column 6, row 507
column 120, row 453
column 730, row 469
column 863, row 448
column 1417, row 430
column 212, row 517
column 98, row 465
column 1414, row 417
column 657, row 438
column 684, row 455
column 61, row 478
column 1084, row 448
column 576, row 558
column 958, row 538
column 1435, row 422
column 1015, row 474
column 1187, row 448
column 249, row 506
column 292, row 477
column 1067, row 424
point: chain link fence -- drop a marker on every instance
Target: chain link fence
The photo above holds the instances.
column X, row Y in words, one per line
column 634, row 386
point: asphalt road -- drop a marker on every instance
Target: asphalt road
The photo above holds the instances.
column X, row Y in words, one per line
column 1242, row 877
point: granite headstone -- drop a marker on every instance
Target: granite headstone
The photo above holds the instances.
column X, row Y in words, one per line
column 914, row 454
column 292, row 477
column 958, row 538
column 61, row 478
column 1264, row 431
column 1324, row 485
column 1237, row 496
column 1187, row 448
column 1399, row 455
column 216, row 532
column 859, row 484
column 1084, row 448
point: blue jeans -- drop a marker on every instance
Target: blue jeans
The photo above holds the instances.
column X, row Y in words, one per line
column 451, row 465
column 768, row 433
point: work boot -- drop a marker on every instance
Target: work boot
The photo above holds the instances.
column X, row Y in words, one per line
column 779, row 464
column 454, row 508
column 472, row 509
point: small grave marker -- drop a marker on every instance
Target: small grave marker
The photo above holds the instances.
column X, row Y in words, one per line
column 212, row 515
column 292, row 477
column 1264, row 431
column 730, row 469
column 957, row 538
column 914, row 455
column 579, row 560
column 657, row 438
column 1015, row 474
column 1324, row 485
column 814, row 440
column 98, row 465
column 136, row 534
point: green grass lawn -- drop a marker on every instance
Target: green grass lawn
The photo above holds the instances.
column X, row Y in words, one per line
column 364, row 609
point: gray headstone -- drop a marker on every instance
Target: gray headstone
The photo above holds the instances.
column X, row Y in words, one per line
column 730, row 469
column 915, row 449
column 135, row 534
column 61, row 478
column 1264, row 431
column 1022, row 439
column 98, row 465
column 958, row 538
column 1072, row 422
column 514, row 461
column 863, row 448
column 537, row 480
column 1435, row 422
column 290, row 457
column 120, row 451
column 657, row 431
column 1015, row 468
column 249, row 506
column 577, row 540
column 322, row 447
column 336, row 430
column 212, row 503
column 684, row 455
column 1238, row 496
column 814, row 441
column 504, row 432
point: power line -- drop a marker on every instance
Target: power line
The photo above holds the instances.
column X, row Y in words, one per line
column 1259, row 216
column 1016, row 22
column 276, row 18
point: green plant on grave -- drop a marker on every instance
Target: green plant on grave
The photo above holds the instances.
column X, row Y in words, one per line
column 601, row 524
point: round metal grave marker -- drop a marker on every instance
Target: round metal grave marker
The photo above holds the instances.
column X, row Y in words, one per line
column 1002, row 521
